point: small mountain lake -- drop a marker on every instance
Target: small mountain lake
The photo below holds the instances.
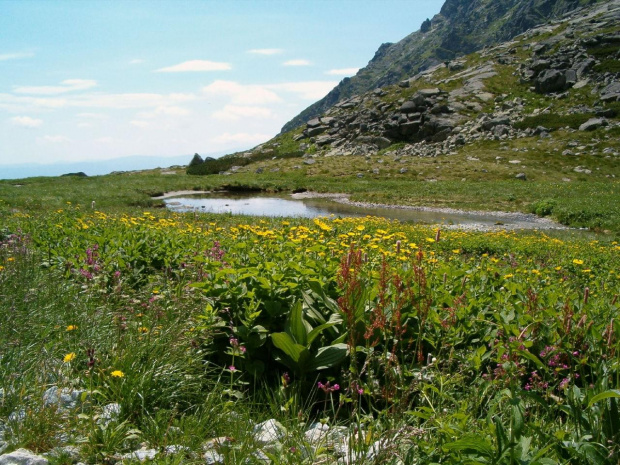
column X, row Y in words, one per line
column 273, row 205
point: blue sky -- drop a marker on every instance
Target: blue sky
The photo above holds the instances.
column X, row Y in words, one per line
column 94, row 80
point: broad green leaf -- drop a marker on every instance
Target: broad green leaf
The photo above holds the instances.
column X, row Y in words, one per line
column 317, row 331
column 296, row 326
column 532, row 357
column 472, row 444
column 604, row 395
column 286, row 344
column 328, row 357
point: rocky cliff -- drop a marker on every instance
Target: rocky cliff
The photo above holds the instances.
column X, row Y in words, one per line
column 461, row 27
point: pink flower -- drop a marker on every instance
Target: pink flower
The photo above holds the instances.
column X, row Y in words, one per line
column 327, row 388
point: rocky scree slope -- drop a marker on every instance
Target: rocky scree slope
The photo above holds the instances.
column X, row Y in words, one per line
column 564, row 76
column 461, row 27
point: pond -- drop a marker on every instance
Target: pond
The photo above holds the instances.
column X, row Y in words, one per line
column 285, row 206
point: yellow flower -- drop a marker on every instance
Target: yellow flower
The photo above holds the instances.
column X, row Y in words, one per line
column 117, row 374
column 72, row 327
column 142, row 329
column 69, row 357
column 1, row 268
column 507, row 276
column 577, row 261
column 456, row 251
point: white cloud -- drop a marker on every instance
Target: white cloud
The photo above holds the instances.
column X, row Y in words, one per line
column 84, row 125
column 195, row 65
column 265, row 51
column 56, row 139
column 140, row 123
column 68, row 85
column 27, row 121
column 235, row 112
column 105, row 140
column 342, row 72
column 136, row 61
column 94, row 100
column 165, row 110
column 307, row 90
column 241, row 138
column 15, row 56
column 299, row 62
column 242, row 94
column 92, row 115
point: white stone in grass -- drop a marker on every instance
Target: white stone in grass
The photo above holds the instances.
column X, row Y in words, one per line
column 269, row 431
column 22, row 457
column 317, row 433
column 212, row 457
column 110, row 413
column 65, row 399
column 176, row 449
column 141, row 454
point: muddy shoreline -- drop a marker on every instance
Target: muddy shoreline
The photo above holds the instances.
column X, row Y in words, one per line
column 521, row 220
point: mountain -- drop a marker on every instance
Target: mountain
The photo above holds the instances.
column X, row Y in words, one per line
column 460, row 28
column 544, row 105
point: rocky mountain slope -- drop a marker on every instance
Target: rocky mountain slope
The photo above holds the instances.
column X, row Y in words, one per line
column 461, row 27
column 550, row 95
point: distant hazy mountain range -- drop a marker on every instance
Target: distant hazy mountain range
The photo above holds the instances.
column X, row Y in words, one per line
column 92, row 168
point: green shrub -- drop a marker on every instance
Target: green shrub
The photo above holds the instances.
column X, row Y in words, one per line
column 543, row 207
column 553, row 121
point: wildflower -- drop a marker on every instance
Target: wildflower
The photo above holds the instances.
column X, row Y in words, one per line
column 327, row 388
column 117, row 374
column 286, row 380
column 69, row 357
column 577, row 261
column 232, row 368
column 72, row 327
column 143, row 330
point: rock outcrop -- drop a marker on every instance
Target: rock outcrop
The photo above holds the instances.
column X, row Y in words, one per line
column 461, row 27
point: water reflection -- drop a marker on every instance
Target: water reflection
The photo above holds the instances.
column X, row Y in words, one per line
column 274, row 206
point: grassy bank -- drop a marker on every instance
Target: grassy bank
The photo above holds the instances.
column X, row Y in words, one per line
column 591, row 204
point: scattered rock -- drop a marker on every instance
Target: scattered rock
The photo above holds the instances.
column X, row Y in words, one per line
column 269, row 431
column 521, row 177
column 592, row 124
column 22, row 457
column 142, row 455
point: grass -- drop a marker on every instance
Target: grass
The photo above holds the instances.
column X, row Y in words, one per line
column 589, row 200
column 447, row 347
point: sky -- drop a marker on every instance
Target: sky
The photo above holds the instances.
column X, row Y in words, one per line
column 88, row 80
